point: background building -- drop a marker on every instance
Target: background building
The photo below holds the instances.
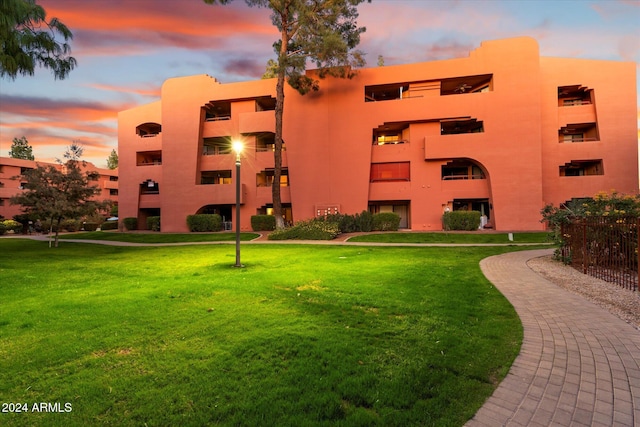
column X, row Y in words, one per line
column 503, row 131
column 11, row 185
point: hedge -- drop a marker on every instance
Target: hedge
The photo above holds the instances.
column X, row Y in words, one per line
column 71, row 225
column 386, row 221
column 90, row 226
column 461, row 220
column 263, row 222
column 10, row 225
column 204, row 222
column 307, row 230
column 130, row 223
column 109, row 225
column 153, row 223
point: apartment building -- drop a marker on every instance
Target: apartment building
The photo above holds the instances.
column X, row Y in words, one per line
column 11, row 171
column 502, row 131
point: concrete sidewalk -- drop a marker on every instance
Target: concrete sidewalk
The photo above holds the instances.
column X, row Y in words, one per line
column 579, row 364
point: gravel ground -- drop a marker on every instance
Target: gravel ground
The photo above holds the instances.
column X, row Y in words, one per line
column 624, row 303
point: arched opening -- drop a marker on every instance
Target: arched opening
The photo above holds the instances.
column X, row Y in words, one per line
column 149, row 129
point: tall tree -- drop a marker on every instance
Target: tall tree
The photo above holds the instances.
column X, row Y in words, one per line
column 28, row 40
column 322, row 32
column 54, row 193
column 20, row 149
column 112, row 160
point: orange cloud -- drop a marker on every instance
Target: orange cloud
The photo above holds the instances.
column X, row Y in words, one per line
column 108, row 28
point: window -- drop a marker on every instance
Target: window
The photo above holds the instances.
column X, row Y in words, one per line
column 578, row 132
column 385, row 92
column 569, row 96
column 113, row 178
column 216, row 146
column 265, row 142
column 461, row 169
column 1, row 202
column 215, row 177
column 466, row 85
column 148, row 130
column 265, row 103
column 148, row 158
column 24, row 170
column 149, row 187
column 398, row 171
column 582, row 168
column 217, row 110
column 265, row 178
column 454, row 127
column 113, row 192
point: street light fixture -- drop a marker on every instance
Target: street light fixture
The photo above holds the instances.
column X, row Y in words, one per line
column 238, row 146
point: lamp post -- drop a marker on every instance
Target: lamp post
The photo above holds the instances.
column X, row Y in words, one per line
column 237, row 147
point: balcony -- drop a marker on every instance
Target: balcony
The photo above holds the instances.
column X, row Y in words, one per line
column 470, row 188
column 149, row 158
column 110, row 185
column 222, row 194
column 256, row 122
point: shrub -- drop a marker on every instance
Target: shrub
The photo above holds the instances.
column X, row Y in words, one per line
column 308, row 230
column 109, row 225
column 11, row 225
column 90, row 226
column 263, row 222
column 46, row 225
column 71, row 225
column 153, row 223
column 387, row 221
column 3, row 229
column 364, row 221
column 461, row 220
column 130, row 223
column 204, row 222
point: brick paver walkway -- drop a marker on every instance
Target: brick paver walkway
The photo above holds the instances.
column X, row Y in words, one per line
column 579, row 365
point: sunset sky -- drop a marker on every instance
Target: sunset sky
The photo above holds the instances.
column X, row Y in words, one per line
column 126, row 49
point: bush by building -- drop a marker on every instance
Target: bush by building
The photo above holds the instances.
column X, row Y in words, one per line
column 386, row 221
column 109, row 225
column 204, row 222
column 90, row 226
column 71, row 225
column 263, row 222
column 130, row 223
column 461, row 220
column 153, row 223
column 11, row 225
column 308, row 230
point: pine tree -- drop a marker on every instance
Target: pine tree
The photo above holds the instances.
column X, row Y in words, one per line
column 322, row 32
column 20, row 149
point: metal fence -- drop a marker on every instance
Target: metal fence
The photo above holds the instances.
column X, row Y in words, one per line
column 604, row 247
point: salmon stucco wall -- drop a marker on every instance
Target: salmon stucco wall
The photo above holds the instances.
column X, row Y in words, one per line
column 504, row 131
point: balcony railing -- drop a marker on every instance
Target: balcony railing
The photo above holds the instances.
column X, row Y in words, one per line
column 458, row 177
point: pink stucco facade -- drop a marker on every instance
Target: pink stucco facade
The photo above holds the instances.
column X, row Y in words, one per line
column 11, row 171
column 503, row 131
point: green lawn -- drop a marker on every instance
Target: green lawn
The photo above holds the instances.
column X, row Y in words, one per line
column 303, row 336
column 454, row 237
column 159, row 237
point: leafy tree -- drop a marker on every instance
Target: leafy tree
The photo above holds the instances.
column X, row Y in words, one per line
column 54, row 193
column 112, row 160
column 322, row 32
column 28, row 40
column 20, row 149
